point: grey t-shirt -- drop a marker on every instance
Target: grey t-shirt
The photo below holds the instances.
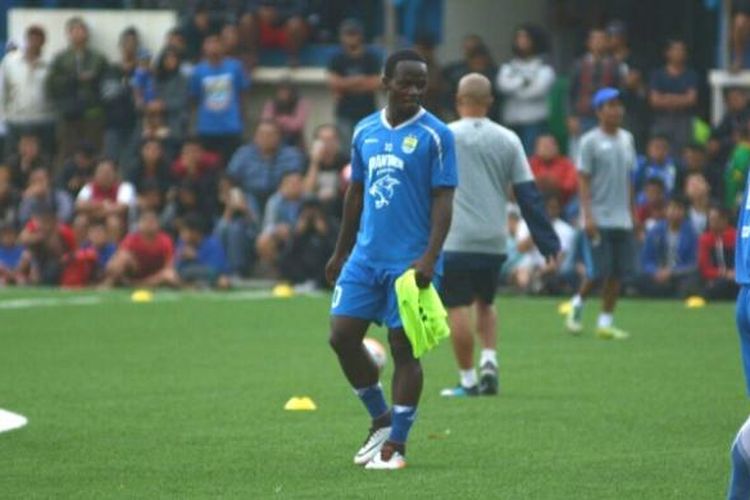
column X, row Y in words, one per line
column 490, row 161
column 609, row 160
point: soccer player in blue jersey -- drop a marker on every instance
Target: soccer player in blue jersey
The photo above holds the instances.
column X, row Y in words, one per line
column 739, row 486
column 397, row 213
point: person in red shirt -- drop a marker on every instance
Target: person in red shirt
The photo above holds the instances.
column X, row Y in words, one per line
column 144, row 257
column 654, row 208
column 553, row 172
column 107, row 198
column 194, row 162
column 50, row 245
column 716, row 256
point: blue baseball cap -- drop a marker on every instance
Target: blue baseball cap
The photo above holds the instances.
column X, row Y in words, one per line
column 143, row 53
column 604, row 95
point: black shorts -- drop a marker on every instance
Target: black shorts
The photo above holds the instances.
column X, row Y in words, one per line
column 612, row 255
column 470, row 276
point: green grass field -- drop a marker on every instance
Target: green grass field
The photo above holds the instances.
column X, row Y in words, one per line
column 183, row 398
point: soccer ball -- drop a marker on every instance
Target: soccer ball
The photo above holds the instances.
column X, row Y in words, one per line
column 376, row 351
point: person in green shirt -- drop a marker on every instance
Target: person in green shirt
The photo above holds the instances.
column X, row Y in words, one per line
column 736, row 171
column 73, row 85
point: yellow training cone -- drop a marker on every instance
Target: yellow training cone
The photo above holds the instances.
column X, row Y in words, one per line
column 564, row 308
column 300, row 404
column 283, row 291
column 142, row 296
column 695, row 302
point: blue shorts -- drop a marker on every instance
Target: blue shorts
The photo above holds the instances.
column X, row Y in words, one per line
column 369, row 293
column 743, row 328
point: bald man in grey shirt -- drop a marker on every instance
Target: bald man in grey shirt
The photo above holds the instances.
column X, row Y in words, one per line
column 491, row 162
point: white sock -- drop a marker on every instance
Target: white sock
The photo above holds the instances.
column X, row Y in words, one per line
column 743, row 438
column 605, row 320
column 488, row 356
column 468, row 377
column 577, row 300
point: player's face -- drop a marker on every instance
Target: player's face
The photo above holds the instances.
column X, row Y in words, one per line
column 658, row 149
column 46, row 223
column 406, row 87
column 149, row 224
column 78, row 34
column 35, row 42
column 677, row 53
column 737, row 100
column 7, row 237
column 546, row 147
column 697, row 187
column 40, row 179
column 611, row 113
column 28, row 146
column 106, row 175
column 190, row 236
column 654, row 194
column 151, row 152
column 97, row 235
column 291, row 186
column 523, row 42
column 351, row 41
column 597, row 42
column 267, row 137
column 716, row 221
column 330, row 139
column 675, row 213
column 212, row 47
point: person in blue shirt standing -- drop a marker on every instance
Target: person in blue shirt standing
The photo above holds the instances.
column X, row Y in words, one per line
column 217, row 87
column 397, row 213
column 739, row 486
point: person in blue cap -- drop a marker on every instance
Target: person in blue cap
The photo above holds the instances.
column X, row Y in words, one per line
column 607, row 158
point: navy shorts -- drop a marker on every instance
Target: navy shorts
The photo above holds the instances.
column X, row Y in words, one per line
column 470, row 277
column 611, row 256
column 366, row 292
column 743, row 328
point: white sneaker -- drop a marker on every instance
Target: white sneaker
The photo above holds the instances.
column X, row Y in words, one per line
column 372, row 446
column 573, row 319
column 387, row 459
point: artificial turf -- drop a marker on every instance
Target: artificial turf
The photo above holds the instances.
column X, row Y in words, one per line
column 183, row 398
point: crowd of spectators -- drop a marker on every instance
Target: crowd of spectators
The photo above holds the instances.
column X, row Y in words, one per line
column 145, row 170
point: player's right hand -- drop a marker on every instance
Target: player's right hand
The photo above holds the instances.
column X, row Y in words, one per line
column 333, row 268
column 589, row 225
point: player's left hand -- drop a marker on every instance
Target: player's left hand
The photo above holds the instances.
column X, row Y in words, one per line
column 424, row 268
column 553, row 261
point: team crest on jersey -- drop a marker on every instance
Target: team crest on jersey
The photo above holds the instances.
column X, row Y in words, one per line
column 409, row 144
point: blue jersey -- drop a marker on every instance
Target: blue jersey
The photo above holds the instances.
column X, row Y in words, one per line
column 218, row 90
column 742, row 250
column 399, row 167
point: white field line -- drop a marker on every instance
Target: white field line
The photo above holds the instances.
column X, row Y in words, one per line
column 163, row 296
column 10, row 420
column 84, row 300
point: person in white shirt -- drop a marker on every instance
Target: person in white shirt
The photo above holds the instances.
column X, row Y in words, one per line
column 698, row 193
column 533, row 273
column 108, row 198
column 24, row 102
column 525, row 82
